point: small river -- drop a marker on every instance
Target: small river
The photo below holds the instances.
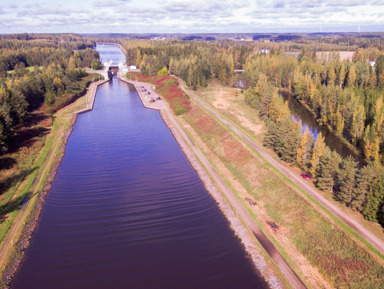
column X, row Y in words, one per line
column 127, row 210
column 301, row 113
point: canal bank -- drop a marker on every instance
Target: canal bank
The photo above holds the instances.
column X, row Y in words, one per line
column 18, row 240
column 106, row 206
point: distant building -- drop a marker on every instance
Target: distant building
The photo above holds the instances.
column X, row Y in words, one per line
column 132, row 67
column 372, row 63
column 265, row 51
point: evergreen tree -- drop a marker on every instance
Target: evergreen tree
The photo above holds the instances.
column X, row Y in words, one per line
column 365, row 178
column 265, row 93
column 288, row 134
column 327, row 170
column 19, row 106
column 375, row 201
column 317, row 152
column 357, row 126
column 270, row 137
column 347, row 180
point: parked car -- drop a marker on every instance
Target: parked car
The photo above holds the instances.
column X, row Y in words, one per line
column 305, row 176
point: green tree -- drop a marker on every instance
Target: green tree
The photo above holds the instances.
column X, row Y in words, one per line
column 317, row 152
column 358, row 121
column 327, row 170
column 304, row 150
column 288, row 134
column 347, row 180
column 366, row 177
column 265, row 92
column 96, row 65
column 379, row 67
column 19, row 106
column 20, row 69
column 341, row 76
column 375, row 200
column 351, row 77
column 270, row 137
column 331, row 75
column 3, row 138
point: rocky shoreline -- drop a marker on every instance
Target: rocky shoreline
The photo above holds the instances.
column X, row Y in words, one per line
column 236, row 225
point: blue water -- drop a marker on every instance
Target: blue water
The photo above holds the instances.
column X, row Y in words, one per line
column 127, row 210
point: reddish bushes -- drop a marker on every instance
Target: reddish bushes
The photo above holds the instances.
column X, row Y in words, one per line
column 168, row 87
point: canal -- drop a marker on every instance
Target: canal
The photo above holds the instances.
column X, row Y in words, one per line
column 127, row 210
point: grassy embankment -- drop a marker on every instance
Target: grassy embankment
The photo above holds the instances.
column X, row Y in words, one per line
column 26, row 167
column 341, row 259
column 306, row 236
column 230, row 103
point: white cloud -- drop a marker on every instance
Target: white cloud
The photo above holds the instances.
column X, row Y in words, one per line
column 136, row 16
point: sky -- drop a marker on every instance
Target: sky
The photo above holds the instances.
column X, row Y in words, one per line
column 197, row 16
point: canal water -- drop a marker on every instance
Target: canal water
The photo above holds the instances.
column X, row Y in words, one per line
column 300, row 113
column 127, row 210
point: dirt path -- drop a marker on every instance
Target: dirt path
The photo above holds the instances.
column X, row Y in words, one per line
column 357, row 227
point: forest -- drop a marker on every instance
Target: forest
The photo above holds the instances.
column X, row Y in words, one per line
column 344, row 94
column 40, row 72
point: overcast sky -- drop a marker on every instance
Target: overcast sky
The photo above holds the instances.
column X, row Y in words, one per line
column 143, row 16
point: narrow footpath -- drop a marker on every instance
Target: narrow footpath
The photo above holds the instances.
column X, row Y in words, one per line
column 167, row 115
column 357, row 227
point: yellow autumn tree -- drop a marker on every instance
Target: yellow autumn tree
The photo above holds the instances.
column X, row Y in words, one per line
column 278, row 109
column 318, row 151
column 304, row 150
column 162, row 72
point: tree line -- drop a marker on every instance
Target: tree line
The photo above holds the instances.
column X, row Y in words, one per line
column 39, row 74
column 194, row 62
column 348, row 97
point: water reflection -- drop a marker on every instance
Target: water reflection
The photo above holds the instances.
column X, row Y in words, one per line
column 300, row 113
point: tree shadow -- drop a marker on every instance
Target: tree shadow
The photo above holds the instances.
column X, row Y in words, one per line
column 7, row 163
column 8, row 182
column 26, row 137
column 13, row 205
column 35, row 118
